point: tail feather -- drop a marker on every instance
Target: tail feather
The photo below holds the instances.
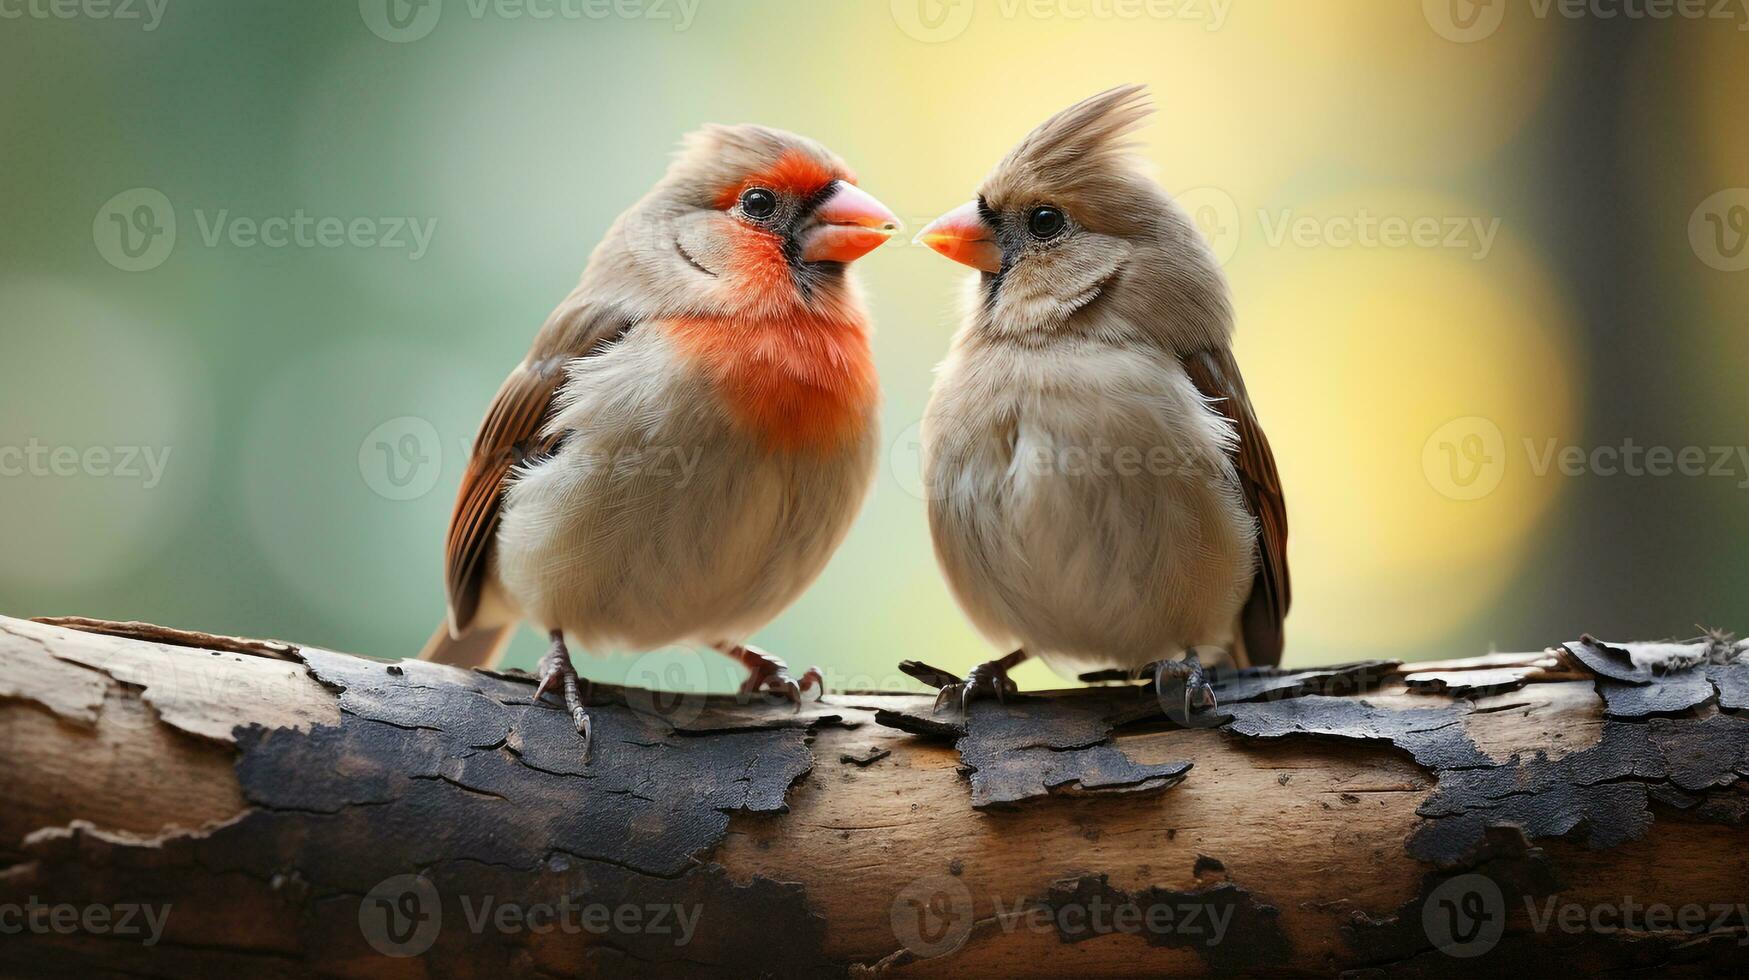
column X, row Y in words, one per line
column 481, row 646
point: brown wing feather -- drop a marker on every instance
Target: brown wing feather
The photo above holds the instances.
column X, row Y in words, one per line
column 1216, row 375
column 511, row 434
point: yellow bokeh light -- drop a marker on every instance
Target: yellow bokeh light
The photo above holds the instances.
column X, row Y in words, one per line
column 1719, row 89
column 1359, row 360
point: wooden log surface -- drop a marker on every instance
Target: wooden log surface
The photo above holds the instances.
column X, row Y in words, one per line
column 178, row 804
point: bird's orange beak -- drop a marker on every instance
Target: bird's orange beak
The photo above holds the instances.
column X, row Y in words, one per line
column 851, row 224
column 962, row 236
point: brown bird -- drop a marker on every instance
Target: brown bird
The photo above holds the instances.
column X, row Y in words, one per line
column 1101, row 493
column 694, row 429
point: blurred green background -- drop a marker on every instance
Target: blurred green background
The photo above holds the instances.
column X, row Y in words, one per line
column 1460, row 236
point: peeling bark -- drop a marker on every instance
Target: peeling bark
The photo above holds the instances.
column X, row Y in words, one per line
column 298, row 812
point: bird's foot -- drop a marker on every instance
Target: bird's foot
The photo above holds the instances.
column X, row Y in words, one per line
column 556, row 672
column 1183, row 685
column 767, row 674
column 986, row 680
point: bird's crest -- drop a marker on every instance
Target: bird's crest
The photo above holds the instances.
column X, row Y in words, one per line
column 1075, row 147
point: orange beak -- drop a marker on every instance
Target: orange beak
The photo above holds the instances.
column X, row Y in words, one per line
column 962, row 236
column 851, row 224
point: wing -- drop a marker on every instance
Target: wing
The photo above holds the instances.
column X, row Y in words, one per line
column 1216, row 375
column 511, row 435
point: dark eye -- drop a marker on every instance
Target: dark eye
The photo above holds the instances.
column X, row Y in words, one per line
column 1045, row 222
column 757, row 202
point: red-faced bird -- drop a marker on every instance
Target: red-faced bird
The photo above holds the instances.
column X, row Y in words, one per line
column 694, row 429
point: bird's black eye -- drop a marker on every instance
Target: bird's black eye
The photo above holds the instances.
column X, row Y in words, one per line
column 757, row 202
column 1045, row 222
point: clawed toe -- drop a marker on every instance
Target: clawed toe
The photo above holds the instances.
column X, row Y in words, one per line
column 768, row 675
column 986, row 680
column 813, row 680
column 947, row 694
column 557, row 673
column 1183, row 685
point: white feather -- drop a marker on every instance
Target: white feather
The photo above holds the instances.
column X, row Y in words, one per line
column 1087, row 565
column 660, row 520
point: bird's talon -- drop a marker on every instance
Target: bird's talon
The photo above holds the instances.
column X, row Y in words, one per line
column 768, row 675
column 547, row 678
column 557, row 673
column 1195, row 691
column 585, row 728
column 985, row 680
column 942, row 697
